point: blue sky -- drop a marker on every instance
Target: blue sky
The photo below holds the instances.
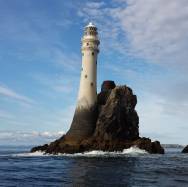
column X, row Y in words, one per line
column 143, row 45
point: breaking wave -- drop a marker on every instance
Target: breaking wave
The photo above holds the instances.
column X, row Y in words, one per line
column 132, row 151
column 35, row 154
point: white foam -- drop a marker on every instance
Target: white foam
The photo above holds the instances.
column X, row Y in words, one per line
column 34, row 154
column 132, row 151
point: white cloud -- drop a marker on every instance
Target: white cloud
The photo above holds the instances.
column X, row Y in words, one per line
column 156, row 30
column 28, row 138
column 57, row 84
column 166, row 124
column 67, row 78
column 5, row 115
column 71, row 62
column 9, row 93
column 94, row 5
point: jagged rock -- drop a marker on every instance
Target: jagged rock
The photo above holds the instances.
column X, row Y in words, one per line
column 185, row 150
column 107, row 85
column 117, row 119
column 40, row 148
column 149, row 146
column 116, row 127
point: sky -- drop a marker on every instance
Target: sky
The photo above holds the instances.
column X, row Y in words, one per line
column 144, row 45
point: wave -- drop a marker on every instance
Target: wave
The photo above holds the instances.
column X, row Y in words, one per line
column 34, row 154
column 132, row 151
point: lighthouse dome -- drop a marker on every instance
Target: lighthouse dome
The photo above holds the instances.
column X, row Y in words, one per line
column 90, row 25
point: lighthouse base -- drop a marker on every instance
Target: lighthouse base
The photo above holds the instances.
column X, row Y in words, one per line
column 83, row 124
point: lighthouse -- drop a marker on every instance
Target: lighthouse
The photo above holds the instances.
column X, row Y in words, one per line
column 87, row 96
column 85, row 115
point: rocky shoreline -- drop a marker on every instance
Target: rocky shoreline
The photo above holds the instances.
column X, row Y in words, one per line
column 59, row 146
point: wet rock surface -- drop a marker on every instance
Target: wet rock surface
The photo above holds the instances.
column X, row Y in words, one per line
column 116, row 127
column 185, row 150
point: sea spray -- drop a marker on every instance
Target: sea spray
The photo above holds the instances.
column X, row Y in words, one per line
column 132, row 151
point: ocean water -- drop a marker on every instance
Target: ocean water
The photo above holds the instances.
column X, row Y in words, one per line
column 132, row 167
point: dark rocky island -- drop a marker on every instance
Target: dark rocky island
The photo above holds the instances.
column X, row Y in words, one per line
column 185, row 150
column 115, row 126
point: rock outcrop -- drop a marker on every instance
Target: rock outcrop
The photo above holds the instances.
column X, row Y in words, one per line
column 185, row 150
column 116, row 126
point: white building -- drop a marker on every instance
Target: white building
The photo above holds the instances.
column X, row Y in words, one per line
column 87, row 96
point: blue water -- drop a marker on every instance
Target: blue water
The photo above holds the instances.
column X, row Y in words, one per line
column 17, row 168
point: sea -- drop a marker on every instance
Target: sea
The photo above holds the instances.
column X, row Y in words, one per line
column 131, row 168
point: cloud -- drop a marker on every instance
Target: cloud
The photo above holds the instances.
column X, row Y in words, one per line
column 51, row 118
column 56, row 84
column 46, row 134
column 94, row 5
column 28, row 138
column 9, row 93
column 69, row 61
column 5, row 115
column 152, row 29
column 167, row 124
column 45, row 27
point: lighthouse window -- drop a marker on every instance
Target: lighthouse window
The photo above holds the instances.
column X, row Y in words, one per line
column 82, row 54
column 93, row 53
column 96, row 61
column 91, row 84
column 85, row 76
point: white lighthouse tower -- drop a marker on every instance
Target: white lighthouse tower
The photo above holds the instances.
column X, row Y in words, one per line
column 87, row 93
column 84, row 119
